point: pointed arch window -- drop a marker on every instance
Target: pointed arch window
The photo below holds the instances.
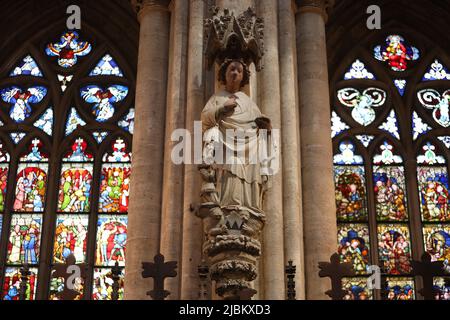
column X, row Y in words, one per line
column 66, row 122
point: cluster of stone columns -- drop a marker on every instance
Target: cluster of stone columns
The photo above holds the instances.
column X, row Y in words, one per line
column 292, row 90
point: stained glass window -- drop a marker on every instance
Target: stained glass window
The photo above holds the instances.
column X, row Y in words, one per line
column 400, row 288
column 396, row 52
column 66, row 126
column 436, row 71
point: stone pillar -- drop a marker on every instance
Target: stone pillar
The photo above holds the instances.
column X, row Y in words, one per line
column 290, row 140
column 269, row 92
column 319, row 210
column 237, row 6
column 192, row 225
column 144, row 217
column 172, row 203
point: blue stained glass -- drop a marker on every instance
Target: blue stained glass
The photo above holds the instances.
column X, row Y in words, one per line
column 347, row 155
column 45, row 122
column 127, row 123
column 73, row 121
column 17, row 136
column 400, row 84
column 439, row 103
column 390, row 125
column 107, row 66
column 103, row 100
column 99, row 136
column 358, row 71
column 396, row 52
column 419, row 126
column 21, row 100
column 34, row 153
column 68, row 49
column 27, row 67
column 365, row 139
column 445, row 140
column 437, row 71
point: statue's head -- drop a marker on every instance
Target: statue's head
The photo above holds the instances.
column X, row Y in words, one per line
column 234, row 70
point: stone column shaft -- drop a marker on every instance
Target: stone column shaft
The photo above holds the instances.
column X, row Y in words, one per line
column 292, row 205
column 237, row 6
column 192, row 225
column 269, row 92
column 319, row 210
column 144, row 217
column 173, row 186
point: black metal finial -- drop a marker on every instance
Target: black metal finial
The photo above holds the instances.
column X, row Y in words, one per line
column 290, row 270
column 115, row 271
column 427, row 270
column 24, row 275
column 336, row 271
column 159, row 270
column 65, row 271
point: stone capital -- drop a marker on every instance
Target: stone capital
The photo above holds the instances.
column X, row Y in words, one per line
column 142, row 6
column 321, row 7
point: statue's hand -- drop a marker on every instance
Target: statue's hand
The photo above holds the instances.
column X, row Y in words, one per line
column 228, row 107
column 263, row 123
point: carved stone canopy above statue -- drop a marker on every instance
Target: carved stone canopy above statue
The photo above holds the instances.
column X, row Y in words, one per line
column 228, row 37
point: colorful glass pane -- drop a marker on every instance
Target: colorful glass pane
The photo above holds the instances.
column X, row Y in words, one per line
column 1, row 224
column 4, row 155
column 350, row 191
column 419, row 126
column 57, row 286
column 119, row 153
column 31, row 187
column 358, row 71
column 68, row 49
column 79, row 152
column 102, row 288
column 440, row 103
column 365, row 139
column 400, row 84
column 111, row 240
column 64, row 81
column 3, row 184
column 114, row 188
column 362, row 103
column 347, row 155
column 107, row 66
column 24, row 239
column 441, row 288
column 396, row 52
column 436, row 239
column 70, row 237
column 434, row 194
column 394, row 248
column 103, row 100
column 390, row 193
column 387, row 155
column 390, row 125
column 445, row 140
column 437, row 71
column 353, row 241
column 356, row 289
column 34, row 153
column 21, row 100
column 75, row 187
column 17, row 136
column 12, row 281
column 27, row 67
column 99, row 136
column 45, row 122
column 399, row 289
column 73, row 122
column 127, row 123
column 429, row 155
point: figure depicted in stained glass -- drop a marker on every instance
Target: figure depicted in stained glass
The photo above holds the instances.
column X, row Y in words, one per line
column 114, row 188
column 103, row 99
column 399, row 289
column 34, row 152
column 441, row 288
column 57, row 285
column 434, row 195
column 353, row 247
column 350, row 193
column 103, row 284
column 75, row 190
column 432, row 99
column 3, row 184
column 30, row 189
column 437, row 242
column 21, row 100
column 12, row 281
column 394, row 250
column 390, row 199
column 79, row 152
column 396, row 52
column 24, row 239
column 70, row 238
column 362, row 104
column 111, row 241
column 356, row 289
column 68, row 49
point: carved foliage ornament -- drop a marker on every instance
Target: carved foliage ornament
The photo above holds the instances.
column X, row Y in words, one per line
column 230, row 37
